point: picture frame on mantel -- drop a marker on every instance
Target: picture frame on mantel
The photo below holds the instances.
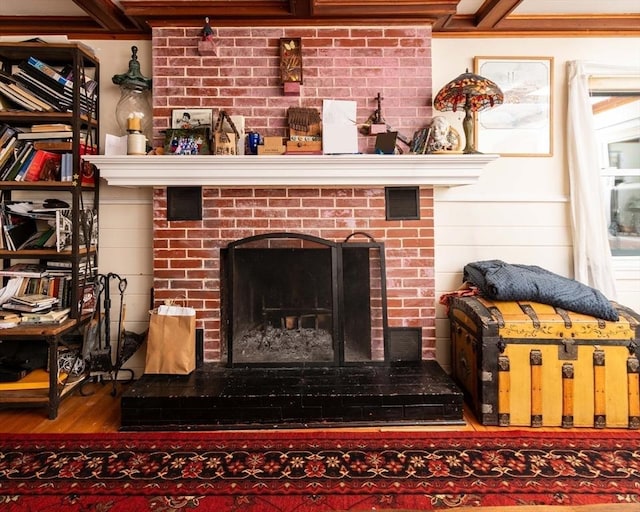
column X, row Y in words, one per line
column 523, row 124
column 185, row 118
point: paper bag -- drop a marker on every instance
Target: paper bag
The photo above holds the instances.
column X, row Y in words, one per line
column 171, row 345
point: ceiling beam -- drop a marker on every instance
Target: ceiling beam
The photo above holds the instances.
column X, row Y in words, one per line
column 492, row 12
column 106, row 14
column 78, row 27
column 547, row 25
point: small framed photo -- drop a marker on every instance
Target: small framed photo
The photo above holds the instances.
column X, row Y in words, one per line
column 193, row 141
column 523, row 124
column 191, row 118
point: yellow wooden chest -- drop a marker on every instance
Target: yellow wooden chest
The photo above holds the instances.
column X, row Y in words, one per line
column 530, row 364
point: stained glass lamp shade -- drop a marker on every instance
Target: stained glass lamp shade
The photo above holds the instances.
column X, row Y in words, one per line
column 473, row 93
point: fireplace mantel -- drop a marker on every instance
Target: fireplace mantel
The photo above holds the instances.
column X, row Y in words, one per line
column 291, row 170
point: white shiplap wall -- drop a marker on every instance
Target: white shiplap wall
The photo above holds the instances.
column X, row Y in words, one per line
column 517, row 212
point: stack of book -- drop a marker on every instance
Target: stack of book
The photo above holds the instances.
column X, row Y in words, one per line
column 20, row 96
column 25, row 270
column 39, row 87
column 30, row 303
column 54, row 316
column 9, row 319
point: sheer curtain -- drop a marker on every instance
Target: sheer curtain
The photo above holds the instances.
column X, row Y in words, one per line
column 592, row 259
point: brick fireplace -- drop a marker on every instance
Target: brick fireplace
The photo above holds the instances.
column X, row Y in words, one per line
column 353, row 63
column 330, row 197
column 187, row 253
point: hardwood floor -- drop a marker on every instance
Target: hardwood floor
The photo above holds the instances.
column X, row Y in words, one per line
column 99, row 412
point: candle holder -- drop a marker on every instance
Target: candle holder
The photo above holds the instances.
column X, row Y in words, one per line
column 134, row 112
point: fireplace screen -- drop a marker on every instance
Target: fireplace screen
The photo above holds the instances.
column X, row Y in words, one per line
column 293, row 299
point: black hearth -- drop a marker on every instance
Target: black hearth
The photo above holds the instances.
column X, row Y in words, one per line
column 292, row 299
column 307, row 345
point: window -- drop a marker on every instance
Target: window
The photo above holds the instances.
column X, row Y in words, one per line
column 617, row 123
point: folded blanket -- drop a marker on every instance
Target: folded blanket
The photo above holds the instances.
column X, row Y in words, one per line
column 498, row 280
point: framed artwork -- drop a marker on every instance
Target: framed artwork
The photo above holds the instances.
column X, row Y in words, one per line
column 291, row 60
column 191, row 118
column 180, row 141
column 523, row 124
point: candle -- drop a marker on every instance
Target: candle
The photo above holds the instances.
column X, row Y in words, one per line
column 134, row 124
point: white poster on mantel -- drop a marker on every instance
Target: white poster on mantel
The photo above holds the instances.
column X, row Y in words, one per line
column 339, row 127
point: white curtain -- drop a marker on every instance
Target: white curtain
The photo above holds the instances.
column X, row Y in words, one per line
column 592, row 259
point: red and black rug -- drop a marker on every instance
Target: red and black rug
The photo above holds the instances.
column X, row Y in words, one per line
column 315, row 471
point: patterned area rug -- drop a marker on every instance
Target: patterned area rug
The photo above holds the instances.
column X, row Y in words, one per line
column 316, row 471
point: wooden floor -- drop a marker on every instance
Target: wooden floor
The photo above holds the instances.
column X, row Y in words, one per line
column 99, row 412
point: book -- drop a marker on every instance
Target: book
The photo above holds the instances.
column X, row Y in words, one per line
column 45, row 165
column 54, row 316
column 16, row 306
column 37, row 101
column 9, row 319
column 17, row 235
column 17, row 88
column 58, row 104
column 51, row 127
column 44, row 77
column 7, row 152
column 23, row 168
column 34, row 299
column 6, row 133
column 66, row 167
column 18, row 100
column 11, row 173
column 45, row 135
column 25, row 270
column 49, row 71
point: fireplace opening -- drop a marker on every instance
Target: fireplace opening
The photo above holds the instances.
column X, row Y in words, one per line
column 292, row 299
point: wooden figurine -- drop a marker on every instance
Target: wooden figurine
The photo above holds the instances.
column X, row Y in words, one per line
column 225, row 143
column 305, row 130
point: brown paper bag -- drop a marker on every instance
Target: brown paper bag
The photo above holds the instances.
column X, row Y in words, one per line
column 171, row 345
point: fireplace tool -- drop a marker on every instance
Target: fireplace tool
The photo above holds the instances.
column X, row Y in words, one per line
column 97, row 330
column 120, row 353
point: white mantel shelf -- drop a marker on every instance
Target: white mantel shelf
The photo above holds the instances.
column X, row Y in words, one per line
column 291, row 170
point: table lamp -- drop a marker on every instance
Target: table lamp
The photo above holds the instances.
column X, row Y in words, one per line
column 473, row 93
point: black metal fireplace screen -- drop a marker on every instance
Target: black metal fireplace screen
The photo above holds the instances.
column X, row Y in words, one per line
column 291, row 299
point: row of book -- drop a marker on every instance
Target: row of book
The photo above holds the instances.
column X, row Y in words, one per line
column 26, row 157
column 39, row 87
column 52, row 289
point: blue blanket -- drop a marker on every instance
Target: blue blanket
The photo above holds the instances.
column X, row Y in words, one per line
column 498, row 280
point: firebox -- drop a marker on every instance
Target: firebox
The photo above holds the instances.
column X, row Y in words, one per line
column 292, row 299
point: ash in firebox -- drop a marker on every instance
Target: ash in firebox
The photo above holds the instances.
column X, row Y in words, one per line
column 279, row 345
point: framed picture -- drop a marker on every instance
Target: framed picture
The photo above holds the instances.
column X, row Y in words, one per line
column 191, row 118
column 180, row 141
column 523, row 124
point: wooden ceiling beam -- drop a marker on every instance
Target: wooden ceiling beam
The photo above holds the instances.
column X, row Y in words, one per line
column 546, row 25
column 106, row 14
column 432, row 9
column 241, row 9
column 492, row 12
column 78, row 27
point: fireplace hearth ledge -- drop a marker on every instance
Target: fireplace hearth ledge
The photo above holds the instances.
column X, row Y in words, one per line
column 292, row 170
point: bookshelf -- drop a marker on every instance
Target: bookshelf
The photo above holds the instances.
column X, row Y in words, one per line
column 51, row 110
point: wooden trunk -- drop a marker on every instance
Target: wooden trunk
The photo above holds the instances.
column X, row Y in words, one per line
column 530, row 364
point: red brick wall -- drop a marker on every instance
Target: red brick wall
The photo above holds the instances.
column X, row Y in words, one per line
column 353, row 63
column 347, row 63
